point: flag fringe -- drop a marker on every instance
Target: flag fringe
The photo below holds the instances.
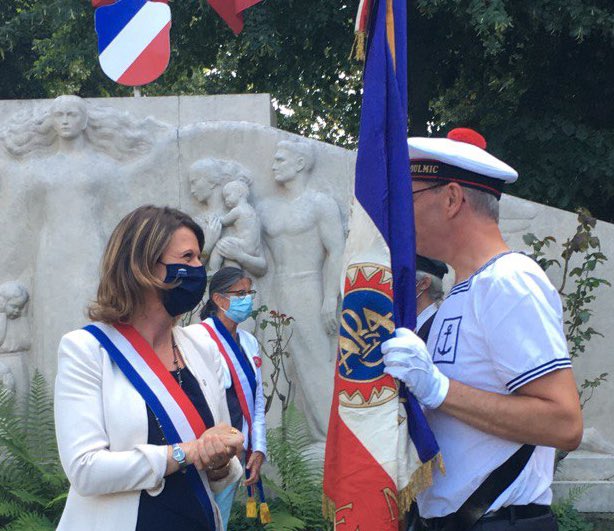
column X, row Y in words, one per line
column 358, row 48
column 421, row 479
column 328, row 508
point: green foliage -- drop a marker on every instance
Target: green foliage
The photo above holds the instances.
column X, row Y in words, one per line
column 32, row 484
column 568, row 518
column 297, row 502
column 297, row 50
column 577, row 301
column 533, row 77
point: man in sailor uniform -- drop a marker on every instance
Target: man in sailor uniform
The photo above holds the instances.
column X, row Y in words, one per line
column 429, row 293
column 495, row 376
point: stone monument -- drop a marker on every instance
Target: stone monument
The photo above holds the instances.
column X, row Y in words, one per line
column 272, row 202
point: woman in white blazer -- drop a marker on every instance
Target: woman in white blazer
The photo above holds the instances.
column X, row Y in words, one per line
column 116, row 446
column 230, row 303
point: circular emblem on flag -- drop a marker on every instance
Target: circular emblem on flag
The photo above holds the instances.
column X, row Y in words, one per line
column 366, row 322
column 134, row 40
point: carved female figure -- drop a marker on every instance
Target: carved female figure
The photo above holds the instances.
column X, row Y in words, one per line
column 71, row 154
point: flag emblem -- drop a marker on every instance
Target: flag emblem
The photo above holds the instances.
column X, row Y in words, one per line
column 133, row 40
column 366, row 322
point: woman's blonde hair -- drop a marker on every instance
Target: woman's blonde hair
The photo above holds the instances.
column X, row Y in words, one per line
column 129, row 260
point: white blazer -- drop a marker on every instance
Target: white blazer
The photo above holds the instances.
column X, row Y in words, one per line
column 252, row 349
column 102, row 429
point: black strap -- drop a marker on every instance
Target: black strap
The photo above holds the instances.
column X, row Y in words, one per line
column 423, row 333
column 492, row 487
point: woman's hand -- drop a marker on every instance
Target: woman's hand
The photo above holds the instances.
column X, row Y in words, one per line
column 218, row 445
column 253, row 465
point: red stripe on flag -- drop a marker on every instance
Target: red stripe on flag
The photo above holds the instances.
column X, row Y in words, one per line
column 152, row 62
column 356, row 505
column 233, row 373
column 153, row 361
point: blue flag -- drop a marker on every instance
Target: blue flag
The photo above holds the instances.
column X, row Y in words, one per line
column 377, row 429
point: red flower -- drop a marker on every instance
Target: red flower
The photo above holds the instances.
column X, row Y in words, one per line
column 257, row 361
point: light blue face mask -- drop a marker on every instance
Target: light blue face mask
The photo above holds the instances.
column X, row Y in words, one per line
column 240, row 308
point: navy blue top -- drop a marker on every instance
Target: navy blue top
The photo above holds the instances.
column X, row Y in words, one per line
column 232, row 399
column 176, row 507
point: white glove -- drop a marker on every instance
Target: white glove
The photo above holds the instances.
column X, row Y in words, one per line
column 407, row 359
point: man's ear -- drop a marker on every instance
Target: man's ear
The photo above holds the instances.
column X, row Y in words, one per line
column 424, row 283
column 300, row 163
column 455, row 197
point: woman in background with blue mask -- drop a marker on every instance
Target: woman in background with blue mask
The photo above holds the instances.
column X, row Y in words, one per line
column 230, row 303
column 140, row 403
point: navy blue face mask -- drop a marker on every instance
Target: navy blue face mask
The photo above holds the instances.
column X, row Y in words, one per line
column 188, row 293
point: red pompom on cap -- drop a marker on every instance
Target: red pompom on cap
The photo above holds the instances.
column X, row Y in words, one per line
column 469, row 136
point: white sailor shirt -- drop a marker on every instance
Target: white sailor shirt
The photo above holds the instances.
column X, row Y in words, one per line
column 497, row 331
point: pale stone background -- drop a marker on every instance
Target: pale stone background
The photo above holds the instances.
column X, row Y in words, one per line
column 241, row 128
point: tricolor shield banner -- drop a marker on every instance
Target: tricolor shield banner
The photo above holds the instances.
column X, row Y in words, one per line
column 379, row 449
column 134, row 40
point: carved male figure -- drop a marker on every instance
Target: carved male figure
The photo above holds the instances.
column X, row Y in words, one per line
column 303, row 230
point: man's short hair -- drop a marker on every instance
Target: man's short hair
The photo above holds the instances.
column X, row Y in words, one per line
column 482, row 203
column 435, row 289
column 302, row 149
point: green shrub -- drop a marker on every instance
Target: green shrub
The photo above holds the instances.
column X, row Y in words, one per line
column 297, row 502
column 568, row 518
column 33, row 486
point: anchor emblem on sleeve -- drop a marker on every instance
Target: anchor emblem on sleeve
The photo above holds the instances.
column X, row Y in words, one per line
column 443, row 351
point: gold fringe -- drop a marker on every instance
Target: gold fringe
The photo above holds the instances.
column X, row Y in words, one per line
column 358, row 48
column 251, row 510
column 265, row 513
column 421, row 479
column 328, row 508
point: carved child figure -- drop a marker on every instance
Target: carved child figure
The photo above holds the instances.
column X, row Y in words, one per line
column 14, row 336
column 241, row 222
column 13, row 298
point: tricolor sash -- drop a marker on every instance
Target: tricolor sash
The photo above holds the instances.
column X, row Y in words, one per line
column 179, row 419
column 244, row 381
column 243, row 376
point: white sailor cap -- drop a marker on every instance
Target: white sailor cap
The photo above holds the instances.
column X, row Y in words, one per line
column 461, row 158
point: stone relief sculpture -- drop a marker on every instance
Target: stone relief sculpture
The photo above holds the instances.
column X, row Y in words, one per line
column 241, row 226
column 15, row 335
column 230, row 223
column 69, row 156
column 304, row 233
column 7, row 379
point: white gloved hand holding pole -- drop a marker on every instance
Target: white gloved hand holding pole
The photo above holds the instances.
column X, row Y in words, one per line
column 407, row 359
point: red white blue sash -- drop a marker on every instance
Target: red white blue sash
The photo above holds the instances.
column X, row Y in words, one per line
column 242, row 374
column 179, row 419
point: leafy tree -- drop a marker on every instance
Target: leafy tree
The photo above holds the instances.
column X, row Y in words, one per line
column 533, row 77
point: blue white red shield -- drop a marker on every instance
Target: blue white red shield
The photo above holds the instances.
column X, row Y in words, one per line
column 134, row 40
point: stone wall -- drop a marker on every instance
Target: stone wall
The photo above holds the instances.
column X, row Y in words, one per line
column 70, row 169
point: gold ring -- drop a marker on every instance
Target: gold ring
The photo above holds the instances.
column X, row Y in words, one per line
column 234, row 431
